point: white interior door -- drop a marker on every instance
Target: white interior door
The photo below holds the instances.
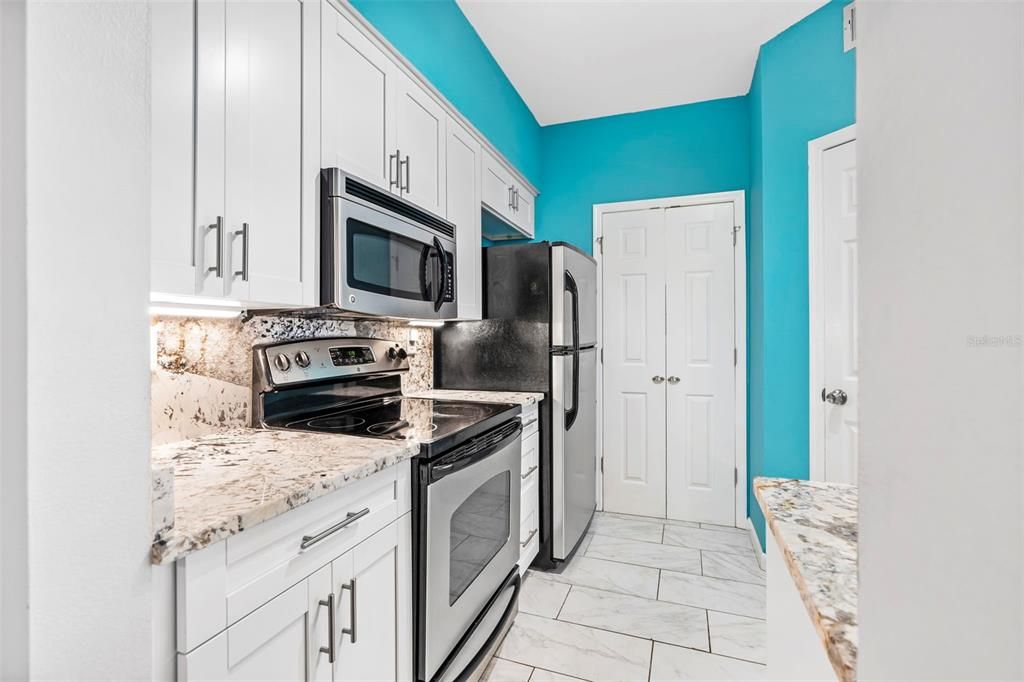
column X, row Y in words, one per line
column 634, row 361
column 839, row 203
column 700, row 324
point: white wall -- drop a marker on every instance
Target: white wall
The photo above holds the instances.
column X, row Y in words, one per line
column 13, row 528
column 87, row 330
column 939, row 123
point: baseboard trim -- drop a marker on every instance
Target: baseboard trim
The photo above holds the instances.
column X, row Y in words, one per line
column 755, row 544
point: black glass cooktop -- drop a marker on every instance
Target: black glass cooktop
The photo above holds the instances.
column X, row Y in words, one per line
column 397, row 418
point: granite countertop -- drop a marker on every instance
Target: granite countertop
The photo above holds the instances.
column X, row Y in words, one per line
column 815, row 526
column 210, row 488
column 520, row 397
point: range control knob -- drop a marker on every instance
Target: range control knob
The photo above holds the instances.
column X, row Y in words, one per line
column 392, row 354
column 302, row 359
column 402, row 355
column 282, row 362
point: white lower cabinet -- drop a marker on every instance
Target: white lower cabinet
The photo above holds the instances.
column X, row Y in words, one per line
column 529, row 503
column 281, row 640
column 263, row 604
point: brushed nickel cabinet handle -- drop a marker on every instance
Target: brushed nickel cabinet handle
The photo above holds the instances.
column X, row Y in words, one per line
column 529, row 537
column 528, row 472
column 408, row 172
column 351, row 632
column 352, row 517
column 396, row 166
column 329, row 649
column 218, row 269
column 244, row 234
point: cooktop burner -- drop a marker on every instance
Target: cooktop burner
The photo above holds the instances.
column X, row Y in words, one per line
column 398, row 418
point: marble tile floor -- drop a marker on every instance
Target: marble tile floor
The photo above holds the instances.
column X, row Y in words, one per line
column 643, row 599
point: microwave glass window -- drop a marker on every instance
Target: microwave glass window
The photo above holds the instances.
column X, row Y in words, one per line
column 479, row 529
column 387, row 263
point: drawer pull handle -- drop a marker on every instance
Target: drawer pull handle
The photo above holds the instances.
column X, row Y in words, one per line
column 310, row 540
column 529, row 537
column 528, row 472
column 530, row 423
column 329, row 649
column 351, row 632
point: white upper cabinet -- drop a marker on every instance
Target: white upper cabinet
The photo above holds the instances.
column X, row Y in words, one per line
column 264, row 151
column 463, row 208
column 508, row 199
column 172, row 78
column 419, row 142
column 355, row 90
column 250, row 230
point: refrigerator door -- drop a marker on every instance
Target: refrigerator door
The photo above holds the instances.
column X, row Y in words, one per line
column 572, row 270
column 573, row 448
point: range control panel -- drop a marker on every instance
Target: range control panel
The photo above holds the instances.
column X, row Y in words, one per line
column 295, row 362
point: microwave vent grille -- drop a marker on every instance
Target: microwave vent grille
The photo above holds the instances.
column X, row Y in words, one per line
column 392, row 203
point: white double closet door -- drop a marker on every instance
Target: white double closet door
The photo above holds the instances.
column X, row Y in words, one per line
column 669, row 375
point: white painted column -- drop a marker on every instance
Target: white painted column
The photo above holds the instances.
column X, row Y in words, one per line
column 86, row 339
column 940, row 87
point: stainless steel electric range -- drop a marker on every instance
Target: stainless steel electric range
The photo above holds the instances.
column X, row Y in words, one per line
column 465, row 493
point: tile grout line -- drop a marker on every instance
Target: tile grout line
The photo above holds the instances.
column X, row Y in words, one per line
column 564, row 599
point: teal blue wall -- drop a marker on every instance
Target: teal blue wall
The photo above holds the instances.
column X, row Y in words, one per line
column 689, row 149
column 438, row 39
column 803, row 88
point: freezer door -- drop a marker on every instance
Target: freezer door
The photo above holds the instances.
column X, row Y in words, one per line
column 574, row 448
column 572, row 269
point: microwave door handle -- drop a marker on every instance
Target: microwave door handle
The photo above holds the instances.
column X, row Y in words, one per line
column 443, row 258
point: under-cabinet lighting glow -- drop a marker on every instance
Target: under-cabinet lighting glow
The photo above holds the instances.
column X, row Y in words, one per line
column 426, row 323
column 187, row 311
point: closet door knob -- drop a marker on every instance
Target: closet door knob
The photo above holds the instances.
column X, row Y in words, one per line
column 673, row 380
column 658, row 379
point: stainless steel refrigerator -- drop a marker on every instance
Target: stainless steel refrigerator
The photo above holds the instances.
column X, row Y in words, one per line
column 539, row 334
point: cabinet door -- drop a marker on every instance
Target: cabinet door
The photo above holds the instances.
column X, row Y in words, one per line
column 172, row 75
column 264, row 150
column 355, row 79
column 419, row 125
column 497, row 186
column 523, row 214
column 211, row 237
column 462, row 167
column 281, row 640
column 370, row 630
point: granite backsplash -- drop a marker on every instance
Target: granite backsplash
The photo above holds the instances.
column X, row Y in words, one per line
column 202, row 367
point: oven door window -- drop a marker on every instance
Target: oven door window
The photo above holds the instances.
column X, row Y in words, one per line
column 479, row 529
column 387, row 263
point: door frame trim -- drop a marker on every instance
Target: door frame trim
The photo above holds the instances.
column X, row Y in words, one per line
column 738, row 199
column 816, row 149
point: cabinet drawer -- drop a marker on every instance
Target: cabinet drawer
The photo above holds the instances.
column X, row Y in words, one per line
column 529, row 535
column 530, row 417
column 221, row 584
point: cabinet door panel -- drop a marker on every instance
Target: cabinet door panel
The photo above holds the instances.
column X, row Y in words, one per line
column 354, row 92
column 171, row 166
column 209, row 175
column 419, row 125
column 524, row 211
column 275, row 642
column 264, row 150
column 462, row 166
column 496, row 184
column 369, row 574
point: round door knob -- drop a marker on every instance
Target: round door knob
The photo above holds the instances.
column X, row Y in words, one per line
column 673, row 380
column 658, row 379
column 302, row 359
column 836, row 397
column 282, row 362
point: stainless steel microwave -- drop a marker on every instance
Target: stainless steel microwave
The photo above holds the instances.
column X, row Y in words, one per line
column 383, row 256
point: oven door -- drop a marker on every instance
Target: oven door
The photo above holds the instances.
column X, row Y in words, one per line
column 389, row 267
column 472, row 540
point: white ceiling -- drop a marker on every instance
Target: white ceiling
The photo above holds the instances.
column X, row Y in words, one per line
column 579, row 59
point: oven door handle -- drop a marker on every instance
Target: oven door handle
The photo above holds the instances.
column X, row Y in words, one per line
column 442, row 256
column 469, row 454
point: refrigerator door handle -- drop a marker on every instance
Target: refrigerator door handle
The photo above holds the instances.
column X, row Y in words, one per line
column 573, row 412
column 574, row 292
